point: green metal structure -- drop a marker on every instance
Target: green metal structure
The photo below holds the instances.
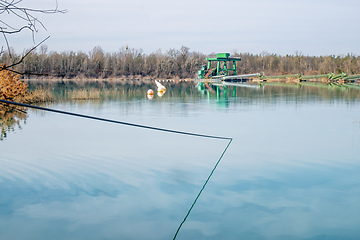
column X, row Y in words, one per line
column 221, row 68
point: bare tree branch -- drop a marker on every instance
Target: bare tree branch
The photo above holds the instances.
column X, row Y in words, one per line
column 21, row 19
column 4, row 67
column 26, row 16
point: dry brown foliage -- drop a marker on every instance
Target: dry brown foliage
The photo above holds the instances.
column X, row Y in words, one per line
column 39, row 95
column 84, row 94
column 11, row 88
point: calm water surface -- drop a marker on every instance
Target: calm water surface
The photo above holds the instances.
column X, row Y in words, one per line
column 292, row 171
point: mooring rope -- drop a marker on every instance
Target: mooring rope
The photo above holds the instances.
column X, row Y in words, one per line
column 112, row 121
column 197, row 197
column 139, row 126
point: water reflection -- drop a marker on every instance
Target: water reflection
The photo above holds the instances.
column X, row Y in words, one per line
column 123, row 183
column 219, row 91
column 107, row 89
column 291, row 172
column 11, row 117
column 270, row 92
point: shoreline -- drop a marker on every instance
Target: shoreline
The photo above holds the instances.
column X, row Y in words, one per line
column 108, row 80
column 139, row 80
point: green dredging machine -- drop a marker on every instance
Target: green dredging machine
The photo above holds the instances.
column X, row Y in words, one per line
column 222, row 71
column 217, row 70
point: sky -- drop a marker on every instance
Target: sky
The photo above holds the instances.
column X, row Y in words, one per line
column 308, row 27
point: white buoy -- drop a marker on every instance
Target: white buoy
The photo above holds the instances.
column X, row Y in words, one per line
column 158, row 84
column 160, row 93
column 160, row 87
column 150, row 92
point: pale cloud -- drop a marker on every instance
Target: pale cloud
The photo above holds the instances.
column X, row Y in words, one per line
column 283, row 27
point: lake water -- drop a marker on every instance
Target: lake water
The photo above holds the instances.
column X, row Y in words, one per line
column 291, row 172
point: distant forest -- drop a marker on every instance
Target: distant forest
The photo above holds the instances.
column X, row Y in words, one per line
column 174, row 63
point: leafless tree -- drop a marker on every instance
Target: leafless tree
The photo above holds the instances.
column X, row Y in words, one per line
column 15, row 17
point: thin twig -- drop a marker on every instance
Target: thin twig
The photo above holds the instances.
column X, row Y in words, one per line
column 26, row 15
column 22, row 59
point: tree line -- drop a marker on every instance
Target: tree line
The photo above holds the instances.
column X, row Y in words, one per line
column 174, row 63
column 273, row 64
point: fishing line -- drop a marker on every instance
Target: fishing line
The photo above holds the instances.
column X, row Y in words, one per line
column 140, row 126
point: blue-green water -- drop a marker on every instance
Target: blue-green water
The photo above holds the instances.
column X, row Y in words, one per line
column 291, row 172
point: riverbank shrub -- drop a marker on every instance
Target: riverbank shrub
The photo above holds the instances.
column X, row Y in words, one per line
column 11, row 87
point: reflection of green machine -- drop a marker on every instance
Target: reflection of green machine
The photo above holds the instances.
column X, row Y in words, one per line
column 219, row 91
column 221, row 70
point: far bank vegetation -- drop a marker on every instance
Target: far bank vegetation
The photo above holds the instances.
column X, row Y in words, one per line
column 131, row 63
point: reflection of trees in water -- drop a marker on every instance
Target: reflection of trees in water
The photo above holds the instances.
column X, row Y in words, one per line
column 10, row 118
column 68, row 90
column 271, row 92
